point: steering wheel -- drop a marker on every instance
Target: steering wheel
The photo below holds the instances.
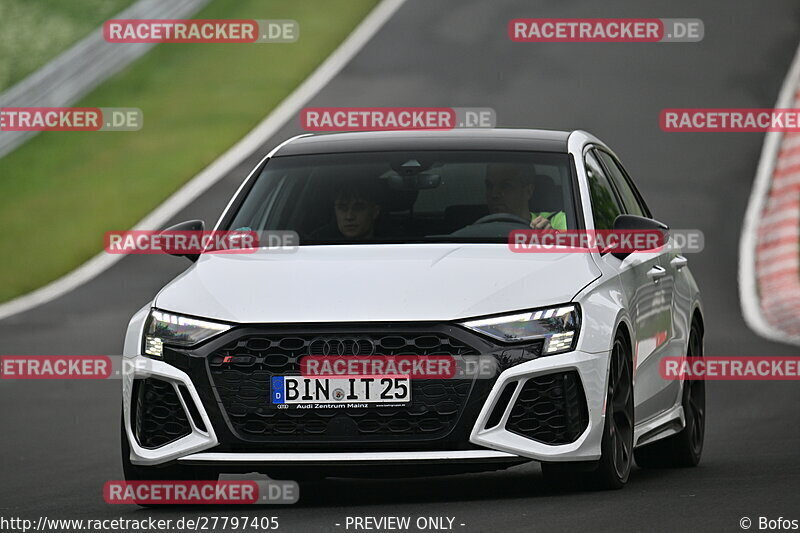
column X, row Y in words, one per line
column 502, row 217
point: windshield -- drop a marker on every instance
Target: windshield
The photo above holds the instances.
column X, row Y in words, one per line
column 409, row 197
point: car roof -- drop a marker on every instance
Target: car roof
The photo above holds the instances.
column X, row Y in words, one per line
column 456, row 139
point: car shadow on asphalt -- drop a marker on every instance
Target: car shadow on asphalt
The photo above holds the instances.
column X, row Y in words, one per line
column 525, row 481
column 519, row 482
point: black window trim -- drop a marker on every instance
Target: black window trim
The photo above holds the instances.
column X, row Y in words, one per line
column 639, row 198
column 614, row 191
column 580, row 220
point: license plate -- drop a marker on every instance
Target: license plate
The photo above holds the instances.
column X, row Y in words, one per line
column 298, row 391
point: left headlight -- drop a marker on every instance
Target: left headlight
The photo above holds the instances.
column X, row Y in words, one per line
column 558, row 326
column 174, row 330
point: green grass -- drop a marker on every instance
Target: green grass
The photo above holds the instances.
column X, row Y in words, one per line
column 34, row 31
column 61, row 191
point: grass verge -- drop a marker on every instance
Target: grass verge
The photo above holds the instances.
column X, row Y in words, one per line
column 32, row 32
column 61, row 191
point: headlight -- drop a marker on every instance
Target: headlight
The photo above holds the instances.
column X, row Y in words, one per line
column 175, row 330
column 558, row 326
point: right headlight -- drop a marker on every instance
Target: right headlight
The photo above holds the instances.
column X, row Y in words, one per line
column 558, row 326
column 175, row 330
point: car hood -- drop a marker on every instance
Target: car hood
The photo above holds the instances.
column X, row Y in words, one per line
column 375, row 283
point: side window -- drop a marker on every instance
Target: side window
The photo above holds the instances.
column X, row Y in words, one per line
column 629, row 198
column 605, row 206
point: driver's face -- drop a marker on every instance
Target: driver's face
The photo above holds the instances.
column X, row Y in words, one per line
column 355, row 217
column 507, row 191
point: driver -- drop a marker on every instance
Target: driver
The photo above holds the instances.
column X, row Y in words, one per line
column 355, row 203
column 509, row 188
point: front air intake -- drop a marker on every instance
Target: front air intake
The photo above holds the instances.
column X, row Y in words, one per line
column 550, row 409
column 158, row 417
column 501, row 405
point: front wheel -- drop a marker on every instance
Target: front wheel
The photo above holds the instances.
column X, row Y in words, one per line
column 685, row 448
column 614, row 466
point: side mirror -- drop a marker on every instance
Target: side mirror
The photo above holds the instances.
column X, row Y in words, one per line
column 637, row 223
column 189, row 225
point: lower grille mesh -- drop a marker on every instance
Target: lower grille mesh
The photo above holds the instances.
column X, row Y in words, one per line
column 550, row 409
column 158, row 416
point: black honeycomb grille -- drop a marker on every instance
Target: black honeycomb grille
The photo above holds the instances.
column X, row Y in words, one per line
column 158, row 416
column 241, row 372
column 550, row 409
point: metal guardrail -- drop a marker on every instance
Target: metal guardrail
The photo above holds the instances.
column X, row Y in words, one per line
column 84, row 66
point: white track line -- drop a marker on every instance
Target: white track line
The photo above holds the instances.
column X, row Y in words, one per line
column 748, row 283
column 268, row 127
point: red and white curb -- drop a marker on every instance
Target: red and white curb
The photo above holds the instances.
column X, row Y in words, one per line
column 769, row 249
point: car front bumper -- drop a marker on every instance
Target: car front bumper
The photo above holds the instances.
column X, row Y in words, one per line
column 487, row 442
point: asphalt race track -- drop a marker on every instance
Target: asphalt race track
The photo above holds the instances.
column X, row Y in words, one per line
column 60, row 439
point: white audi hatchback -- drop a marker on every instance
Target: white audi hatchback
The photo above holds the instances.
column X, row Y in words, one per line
column 403, row 250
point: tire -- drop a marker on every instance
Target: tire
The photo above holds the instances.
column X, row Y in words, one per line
column 614, row 467
column 685, row 448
